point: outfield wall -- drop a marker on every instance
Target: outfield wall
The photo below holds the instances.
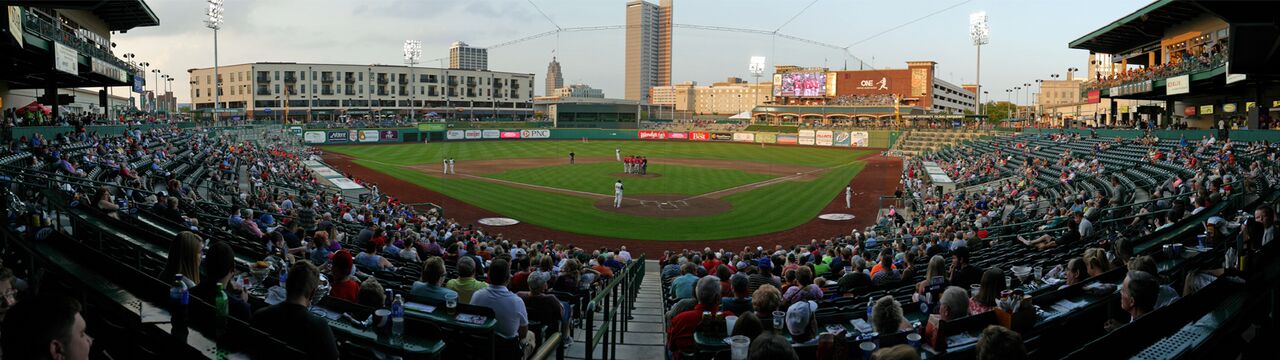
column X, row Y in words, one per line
column 832, row 138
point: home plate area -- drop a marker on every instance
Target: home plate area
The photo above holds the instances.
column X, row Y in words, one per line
column 665, row 205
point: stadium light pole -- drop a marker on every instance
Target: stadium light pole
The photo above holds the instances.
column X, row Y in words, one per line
column 213, row 20
column 980, row 33
column 157, row 91
column 757, row 68
column 1026, row 93
column 412, row 56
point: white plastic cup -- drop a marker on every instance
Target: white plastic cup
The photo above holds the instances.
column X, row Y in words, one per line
column 728, row 323
column 738, row 346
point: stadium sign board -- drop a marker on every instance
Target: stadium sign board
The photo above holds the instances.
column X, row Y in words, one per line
column 807, row 137
column 535, row 134
column 858, row 139
column 677, row 135
column 824, row 138
column 744, row 137
column 337, row 136
column 1177, row 85
column 473, row 134
column 510, row 135
column 652, row 135
column 699, row 135
column 313, row 137
column 840, row 138
column 766, row 138
column 454, row 135
column 389, row 135
column 788, row 139
column 491, row 134
column 721, row 136
column 368, row 135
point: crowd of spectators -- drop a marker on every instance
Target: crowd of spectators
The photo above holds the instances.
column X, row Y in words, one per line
column 864, row 100
column 1182, row 65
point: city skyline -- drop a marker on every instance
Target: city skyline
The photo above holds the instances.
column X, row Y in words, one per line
column 255, row 32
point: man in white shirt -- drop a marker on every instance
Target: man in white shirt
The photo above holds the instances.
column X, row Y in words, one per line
column 617, row 194
column 626, row 256
column 848, row 196
column 508, row 309
column 1086, row 226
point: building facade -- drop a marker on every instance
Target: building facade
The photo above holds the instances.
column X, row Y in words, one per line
column 648, row 48
column 914, row 86
column 555, row 79
column 728, row 97
column 465, row 57
column 579, row 91
column 326, row 91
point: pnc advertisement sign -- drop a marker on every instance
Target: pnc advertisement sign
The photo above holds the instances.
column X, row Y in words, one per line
column 535, row 134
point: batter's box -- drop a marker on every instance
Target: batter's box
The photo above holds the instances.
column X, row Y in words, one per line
column 650, row 203
column 667, row 206
column 680, row 203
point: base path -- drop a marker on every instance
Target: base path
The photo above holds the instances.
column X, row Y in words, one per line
column 879, row 177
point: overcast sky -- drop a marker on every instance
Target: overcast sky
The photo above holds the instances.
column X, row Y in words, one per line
column 1028, row 37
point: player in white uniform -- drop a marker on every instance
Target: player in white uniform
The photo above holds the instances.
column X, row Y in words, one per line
column 617, row 153
column 445, row 164
column 452, row 169
column 848, row 196
column 617, row 194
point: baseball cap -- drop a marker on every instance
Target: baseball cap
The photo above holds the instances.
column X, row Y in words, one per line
column 799, row 315
column 341, row 262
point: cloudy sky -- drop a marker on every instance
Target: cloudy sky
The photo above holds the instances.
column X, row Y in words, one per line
column 1028, row 37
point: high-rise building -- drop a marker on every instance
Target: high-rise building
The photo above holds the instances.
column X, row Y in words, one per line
column 648, row 48
column 465, row 57
column 555, row 80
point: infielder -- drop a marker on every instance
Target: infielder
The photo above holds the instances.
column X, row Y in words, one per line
column 848, row 196
column 617, row 194
column 617, row 153
column 444, row 163
column 452, row 169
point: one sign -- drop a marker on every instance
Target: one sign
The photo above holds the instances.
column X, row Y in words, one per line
column 313, row 137
column 744, row 137
column 535, row 134
column 824, row 138
column 858, row 139
column 105, row 69
column 1206, row 109
column 337, row 136
column 454, row 135
column 64, row 58
column 137, row 84
column 699, row 135
column 388, row 135
column 788, row 139
column 807, row 137
column 267, row 110
column 721, row 136
column 473, row 134
column 1177, row 85
column 490, row 134
column 1229, row 107
column 677, row 135
column 766, row 138
column 510, row 135
column 841, row 139
column 1132, row 88
column 431, row 127
column 1188, row 111
column 651, row 134
column 1095, row 96
column 15, row 23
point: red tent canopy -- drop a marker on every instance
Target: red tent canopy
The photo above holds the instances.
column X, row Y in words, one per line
column 33, row 106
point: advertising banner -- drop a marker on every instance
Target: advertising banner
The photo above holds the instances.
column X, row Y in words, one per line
column 788, row 139
column 824, row 138
column 510, row 135
column 1229, row 107
column 108, row 70
column 473, row 134
column 1206, row 109
column 368, row 136
column 1095, row 96
column 454, row 135
column 1177, row 85
column 431, row 127
column 807, row 137
column 389, row 135
column 491, row 134
column 858, row 139
column 652, row 134
column 65, row 59
column 767, row 138
column 699, row 135
column 353, row 135
column 313, row 137
column 337, row 136
column 744, row 137
column 840, row 138
column 721, row 136
column 535, row 134
column 677, row 135
column 1188, row 111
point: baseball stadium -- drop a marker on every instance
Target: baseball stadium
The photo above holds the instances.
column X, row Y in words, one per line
column 1127, row 210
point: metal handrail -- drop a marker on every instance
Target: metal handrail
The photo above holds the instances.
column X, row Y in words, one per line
column 616, row 310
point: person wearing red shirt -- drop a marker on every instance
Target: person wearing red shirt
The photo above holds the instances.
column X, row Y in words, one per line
column 340, row 282
column 684, row 324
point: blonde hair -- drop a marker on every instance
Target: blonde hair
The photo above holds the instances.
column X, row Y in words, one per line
column 937, row 267
column 184, row 257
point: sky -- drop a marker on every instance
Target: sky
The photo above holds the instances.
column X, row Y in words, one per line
column 1028, row 38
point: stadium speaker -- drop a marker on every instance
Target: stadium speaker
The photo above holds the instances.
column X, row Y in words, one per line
column 102, row 98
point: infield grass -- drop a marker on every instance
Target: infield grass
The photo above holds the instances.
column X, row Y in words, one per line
column 599, row 177
column 776, row 207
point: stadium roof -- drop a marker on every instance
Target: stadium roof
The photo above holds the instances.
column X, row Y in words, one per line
column 1142, row 27
column 120, row 15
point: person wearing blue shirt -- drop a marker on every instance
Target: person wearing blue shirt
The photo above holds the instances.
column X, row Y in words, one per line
column 682, row 286
column 433, row 273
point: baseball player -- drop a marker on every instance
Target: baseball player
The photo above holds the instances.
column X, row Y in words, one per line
column 617, row 194
column 571, row 157
column 444, row 163
column 848, row 196
column 452, row 168
column 617, row 153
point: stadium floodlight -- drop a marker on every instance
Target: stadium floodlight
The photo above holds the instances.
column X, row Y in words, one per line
column 412, row 52
column 213, row 20
column 757, row 68
column 980, row 33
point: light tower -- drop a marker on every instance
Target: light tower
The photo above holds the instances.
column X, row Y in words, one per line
column 757, row 68
column 213, row 20
column 980, row 33
column 412, row 55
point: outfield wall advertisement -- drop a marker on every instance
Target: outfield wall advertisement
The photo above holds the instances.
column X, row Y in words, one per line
column 455, row 135
column 510, row 135
column 767, row 138
column 788, row 139
column 858, row 139
column 389, row 135
column 699, row 135
column 823, row 138
column 840, row 138
column 807, row 137
column 337, row 136
column 473, row 134
column 367, row 135
column 535, row 134
column 652, row 135
column 313, row 137
column 720, row 136
column 744, row 137
column 678, row 135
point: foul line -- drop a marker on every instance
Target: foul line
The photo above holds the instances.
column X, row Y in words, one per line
column 768, row 182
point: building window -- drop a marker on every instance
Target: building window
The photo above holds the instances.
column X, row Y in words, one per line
column 361, row 78
column 277, row 75
column 277, row 88
column 197, row 92
column 362, row 88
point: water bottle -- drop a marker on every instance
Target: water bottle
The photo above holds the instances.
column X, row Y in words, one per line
column 397, row 319
column 871, row 302
column 222, row 310
column 178, row 300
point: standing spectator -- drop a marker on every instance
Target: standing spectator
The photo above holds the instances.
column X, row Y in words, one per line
column 292, row 323
column 509, row 309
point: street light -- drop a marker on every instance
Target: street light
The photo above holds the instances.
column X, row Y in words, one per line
column 214, row 19
column 981, row 34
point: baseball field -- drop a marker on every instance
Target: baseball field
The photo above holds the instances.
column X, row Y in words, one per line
column 691, row 191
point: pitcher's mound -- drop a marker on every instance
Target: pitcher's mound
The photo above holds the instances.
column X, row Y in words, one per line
column 665, row 206
column 627, row 175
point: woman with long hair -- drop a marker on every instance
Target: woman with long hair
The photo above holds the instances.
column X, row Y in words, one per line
column 992, row 285
column 103, row 202
column 184, row 258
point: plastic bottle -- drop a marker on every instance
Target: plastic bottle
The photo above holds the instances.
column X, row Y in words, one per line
column 397, row 319
column 179, row 297
column 871, row 302
column 220, row 303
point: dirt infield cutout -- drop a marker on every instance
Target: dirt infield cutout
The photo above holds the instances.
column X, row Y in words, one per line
column 665, row 205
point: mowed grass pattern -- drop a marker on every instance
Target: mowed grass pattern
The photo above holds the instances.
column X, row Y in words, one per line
column 599, row 178
column 777, row 207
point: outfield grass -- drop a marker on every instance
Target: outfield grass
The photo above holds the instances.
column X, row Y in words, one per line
column 776, row 207
column 599, row 177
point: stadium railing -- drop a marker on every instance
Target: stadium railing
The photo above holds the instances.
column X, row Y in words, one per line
column 617, row 299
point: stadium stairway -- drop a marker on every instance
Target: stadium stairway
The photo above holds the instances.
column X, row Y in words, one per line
column 645, row 333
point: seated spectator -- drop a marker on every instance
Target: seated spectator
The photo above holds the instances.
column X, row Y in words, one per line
column 184, row 258
column 466, row 284
column 1147, row 264
column 887, row 274
column 761, row 275
column 370, row 258
column 319, row 252
column 291, row 322
column 1095, row 261
column 604, row 271
column 962, row 273
column 104, row 204
column 929, row 289
column 219, row 266
column 854, row 278
column 682, row 326
column 1000, row 343
column 748, row 325
column 371, row 294
column 801, row 323
column 1075, row 272
column 985, row 299
column 1138, row 296
column 770, row 346
column 887, row 318
column 953, row 304
column 803, row 288
column 341, row 286
column 740, row 302
column 46, row 327
column 672, row 269
column 428, row 287
column 682, row 286
column 542, row 307
column 897, row 352
column 509, row 309
column 8, row 291
column 1071, row 235
column 248, row 226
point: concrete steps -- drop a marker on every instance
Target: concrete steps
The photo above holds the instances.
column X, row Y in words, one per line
column 646, row 332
